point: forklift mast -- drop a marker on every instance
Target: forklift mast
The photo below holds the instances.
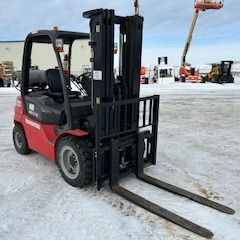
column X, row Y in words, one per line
column 115, row 99
column 126, row 126
column 102, row 27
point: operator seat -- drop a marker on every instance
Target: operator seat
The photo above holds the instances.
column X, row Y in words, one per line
column 45, row 106
column 54, row 83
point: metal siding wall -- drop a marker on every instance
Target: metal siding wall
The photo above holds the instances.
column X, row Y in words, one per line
column 81, row 54
column 44, row 57
column 12, row 51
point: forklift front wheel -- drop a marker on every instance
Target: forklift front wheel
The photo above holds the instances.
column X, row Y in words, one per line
column 20, row 140
column 74, row 159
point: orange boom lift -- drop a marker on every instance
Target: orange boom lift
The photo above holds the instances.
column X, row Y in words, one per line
column 199, row 5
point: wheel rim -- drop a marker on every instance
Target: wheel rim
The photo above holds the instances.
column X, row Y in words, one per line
column 18, row 140
column 69, row 162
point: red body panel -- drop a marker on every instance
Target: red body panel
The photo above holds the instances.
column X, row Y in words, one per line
column 18, row 110
column 37, row 137
column 41, row 138
column 192, row 78
column 205, row 5
column 184, row 71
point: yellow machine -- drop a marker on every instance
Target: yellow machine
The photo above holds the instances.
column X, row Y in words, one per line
column 220, row 73
column 214, row 71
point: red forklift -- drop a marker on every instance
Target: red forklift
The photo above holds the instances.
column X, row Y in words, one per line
column 95, row 126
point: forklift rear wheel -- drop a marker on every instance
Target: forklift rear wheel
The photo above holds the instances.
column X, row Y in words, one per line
column 20, row 140
column 74, row 159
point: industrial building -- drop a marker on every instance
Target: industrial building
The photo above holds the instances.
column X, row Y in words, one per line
column 43, row 56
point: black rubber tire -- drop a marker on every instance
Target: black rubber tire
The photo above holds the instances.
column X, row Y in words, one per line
column 182, row 79
column 230, row 80
column 20, row 140
column 74, row 160
column 215, row 79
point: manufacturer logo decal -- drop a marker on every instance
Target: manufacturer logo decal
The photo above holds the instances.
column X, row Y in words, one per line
column 33, row 124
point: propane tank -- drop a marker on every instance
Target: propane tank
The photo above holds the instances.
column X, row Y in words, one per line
column 66, row 64
column 36, row 77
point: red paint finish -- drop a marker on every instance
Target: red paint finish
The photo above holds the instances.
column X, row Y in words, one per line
column 41, row 138
column 18, row 110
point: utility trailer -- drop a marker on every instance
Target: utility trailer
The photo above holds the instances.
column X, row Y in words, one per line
column 96, row 127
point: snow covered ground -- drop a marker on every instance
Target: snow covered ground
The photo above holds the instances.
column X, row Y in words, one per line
column 198, row 149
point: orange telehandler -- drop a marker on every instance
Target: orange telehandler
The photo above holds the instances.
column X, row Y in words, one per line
column 186, row 72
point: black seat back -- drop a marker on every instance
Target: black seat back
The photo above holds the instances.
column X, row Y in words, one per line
column 54, row 82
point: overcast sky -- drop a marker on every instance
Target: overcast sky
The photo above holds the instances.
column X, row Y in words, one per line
column 166, row 25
